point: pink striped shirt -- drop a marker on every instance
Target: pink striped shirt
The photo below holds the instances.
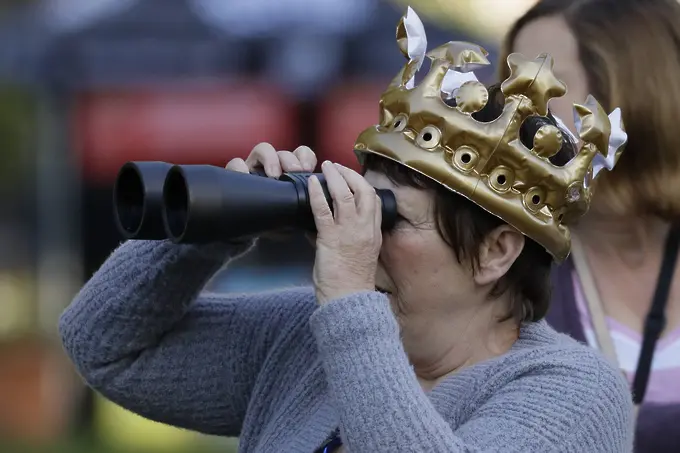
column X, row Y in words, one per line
column 664, row 382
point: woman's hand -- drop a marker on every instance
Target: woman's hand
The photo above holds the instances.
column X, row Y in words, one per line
column 275, row 163
column 349, row 237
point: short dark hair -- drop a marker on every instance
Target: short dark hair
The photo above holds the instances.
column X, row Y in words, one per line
column 464, row 225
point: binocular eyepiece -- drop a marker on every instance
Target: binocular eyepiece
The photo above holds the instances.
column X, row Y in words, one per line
column 205, row 203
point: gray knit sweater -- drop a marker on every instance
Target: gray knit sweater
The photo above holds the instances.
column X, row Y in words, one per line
column 283, row 373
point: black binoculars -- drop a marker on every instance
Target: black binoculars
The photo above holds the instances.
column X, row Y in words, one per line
column 206, row 203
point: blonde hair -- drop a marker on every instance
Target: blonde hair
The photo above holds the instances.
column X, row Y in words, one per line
column 630, row 51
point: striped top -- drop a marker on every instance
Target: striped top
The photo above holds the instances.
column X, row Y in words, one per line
column 663, row 382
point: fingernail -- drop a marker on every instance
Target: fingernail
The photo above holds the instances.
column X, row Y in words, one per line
column 326, row 163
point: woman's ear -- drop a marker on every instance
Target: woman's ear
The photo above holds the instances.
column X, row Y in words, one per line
column 497, row 253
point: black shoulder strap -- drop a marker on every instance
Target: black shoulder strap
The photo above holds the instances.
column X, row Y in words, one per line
column 656, row 318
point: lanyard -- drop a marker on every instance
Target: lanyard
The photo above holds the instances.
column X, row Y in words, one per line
column 655, row 320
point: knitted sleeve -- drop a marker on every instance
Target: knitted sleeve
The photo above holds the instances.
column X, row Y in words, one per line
column 139, row 333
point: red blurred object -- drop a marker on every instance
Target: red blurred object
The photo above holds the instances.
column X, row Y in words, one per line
column 37, row 391
column 197, row 125
column 343, row 114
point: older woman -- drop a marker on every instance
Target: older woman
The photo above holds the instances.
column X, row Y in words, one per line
column 627, row 54
column 427, row 337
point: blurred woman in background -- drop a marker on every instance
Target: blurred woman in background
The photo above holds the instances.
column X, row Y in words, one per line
column 625, row 53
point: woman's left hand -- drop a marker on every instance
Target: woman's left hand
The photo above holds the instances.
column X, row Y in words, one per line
column 349, row 237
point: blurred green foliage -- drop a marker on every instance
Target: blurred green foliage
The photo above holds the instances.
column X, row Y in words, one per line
column 85, row 446
column 17, row 132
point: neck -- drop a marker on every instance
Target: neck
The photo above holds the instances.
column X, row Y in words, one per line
column 631, row 239
column 450, row 343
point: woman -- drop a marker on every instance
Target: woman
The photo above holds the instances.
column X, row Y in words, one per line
column 425, row 338
column 626, row 53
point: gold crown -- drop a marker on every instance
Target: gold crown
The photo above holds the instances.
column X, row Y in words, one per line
column 486, row 162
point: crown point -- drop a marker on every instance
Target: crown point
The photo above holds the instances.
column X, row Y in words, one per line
column 592, row 124
column 534, row 79
column 464, row 56
column 411, row 37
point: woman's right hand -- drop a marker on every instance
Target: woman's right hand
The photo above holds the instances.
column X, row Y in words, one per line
column 273, row 162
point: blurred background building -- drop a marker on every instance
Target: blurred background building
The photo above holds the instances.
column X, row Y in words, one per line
column 86, row 85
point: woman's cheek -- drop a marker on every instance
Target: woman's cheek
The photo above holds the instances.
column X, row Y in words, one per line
column 402, row 255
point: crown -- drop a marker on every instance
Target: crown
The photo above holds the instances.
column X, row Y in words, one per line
column 485, row 161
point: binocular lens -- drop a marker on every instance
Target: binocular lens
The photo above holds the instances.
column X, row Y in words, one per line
column 138, row 199
column 130, row 200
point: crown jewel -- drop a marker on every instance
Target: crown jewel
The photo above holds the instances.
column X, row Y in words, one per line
column 486, row 162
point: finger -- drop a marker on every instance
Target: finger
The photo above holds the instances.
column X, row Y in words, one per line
column 238, row 164
column 264, row 155
column 364, row 193
column 306, row 157
column 289, row 161
column 323, row 216
column 343, row 199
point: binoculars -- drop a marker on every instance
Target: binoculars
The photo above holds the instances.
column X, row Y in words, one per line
column 206, row 203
